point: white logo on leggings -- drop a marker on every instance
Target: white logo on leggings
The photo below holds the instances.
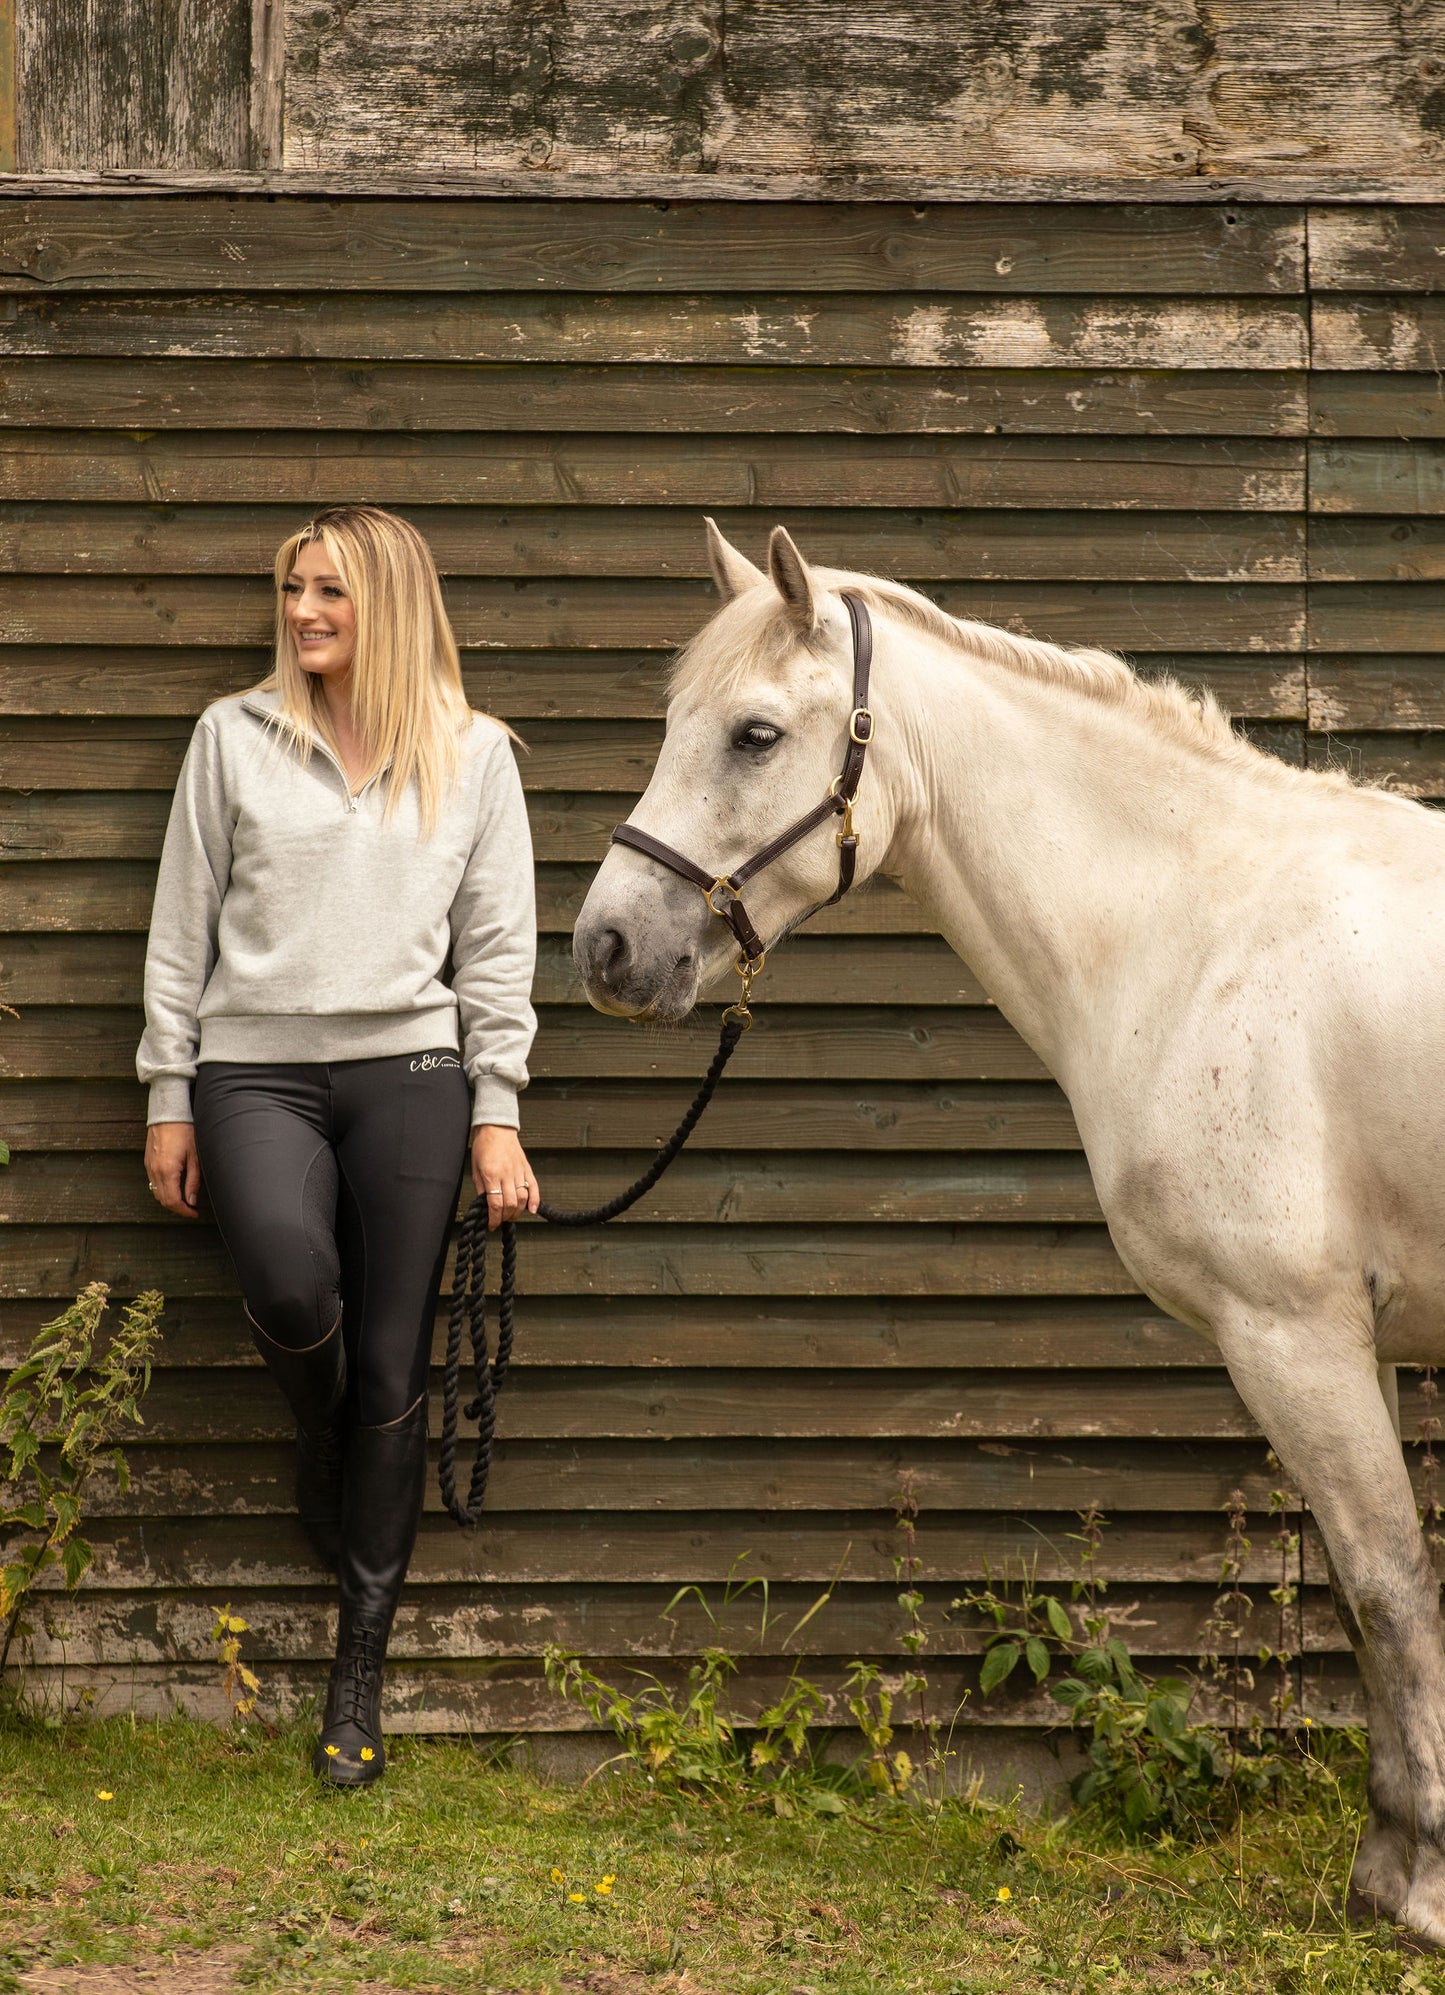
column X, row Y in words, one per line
column 429, row 1060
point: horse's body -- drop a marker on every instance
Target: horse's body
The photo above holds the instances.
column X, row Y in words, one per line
column 1236, row 971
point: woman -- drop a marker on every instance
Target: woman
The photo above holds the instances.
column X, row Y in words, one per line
column 338, row 833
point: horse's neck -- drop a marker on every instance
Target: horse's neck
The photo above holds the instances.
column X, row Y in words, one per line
column 1074, row 855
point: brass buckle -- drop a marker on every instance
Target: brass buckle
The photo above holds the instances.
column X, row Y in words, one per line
column 860, row 713
column 720, row 885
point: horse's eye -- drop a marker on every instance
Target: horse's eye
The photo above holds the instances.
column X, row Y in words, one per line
column 758, row 734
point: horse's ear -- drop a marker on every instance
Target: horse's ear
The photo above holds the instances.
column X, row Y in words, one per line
column 733, row 572
column 791, row 579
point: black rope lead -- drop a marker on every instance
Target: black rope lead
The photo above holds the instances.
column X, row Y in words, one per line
column 468, row 1309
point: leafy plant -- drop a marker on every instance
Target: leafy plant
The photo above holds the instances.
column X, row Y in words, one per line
column 688, row 1737
column 240, row 1683
column 66, row 1396
column 1149, row 1767
column 871, row 1701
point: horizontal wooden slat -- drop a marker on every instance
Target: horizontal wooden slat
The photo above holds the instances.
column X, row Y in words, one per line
column 903, row 329
column 724, row 1187
column 280, row 245
column 649, row 542
column 578, row 613
column 322, row 396
column 107, row 969
column 187, row 1259
column 1413, row 764
column 1126, row 1478
column 1401, row 694
column 1385, row 476
column 270, row 468
column 112, row 1626
column 521, row 686
column 60, row 896
column 1392, row 406
column 448, row 1695
column 1376, row 249
column 1391, row 549
column 651, row 1404
column 1368, row 617
column 125, row 752
column 787, row 1043
column 767, row 1115
column 587, row 1551
column 1399, row 334
column 666, row 1332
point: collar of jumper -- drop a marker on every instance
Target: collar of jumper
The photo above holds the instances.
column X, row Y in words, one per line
column 723, row 892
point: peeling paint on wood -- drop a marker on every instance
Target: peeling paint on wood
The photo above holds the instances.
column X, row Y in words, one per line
column 838, row 87
column 160, row 84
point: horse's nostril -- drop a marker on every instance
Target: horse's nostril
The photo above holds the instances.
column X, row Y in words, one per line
column 610, row 958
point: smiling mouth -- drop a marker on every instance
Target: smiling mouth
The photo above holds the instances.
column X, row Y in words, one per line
column 316, row 636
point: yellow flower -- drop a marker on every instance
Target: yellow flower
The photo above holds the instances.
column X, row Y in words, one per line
column 1004, row 1894
column 104, row 1794
column 367, row 1753
column 603, row 1888
column 609, row 1880
column 558, row 1877
column 576, row 1898
column 332, row 1751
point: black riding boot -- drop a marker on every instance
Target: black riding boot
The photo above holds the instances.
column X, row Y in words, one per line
column 385, row 1483
column 313, row 1382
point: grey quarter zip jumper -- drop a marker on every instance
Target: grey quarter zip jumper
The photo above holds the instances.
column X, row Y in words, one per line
column 291, row 924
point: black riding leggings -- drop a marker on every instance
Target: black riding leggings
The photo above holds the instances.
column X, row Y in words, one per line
column 334, row 1186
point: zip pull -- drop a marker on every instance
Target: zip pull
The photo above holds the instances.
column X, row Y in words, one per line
column 350, row 801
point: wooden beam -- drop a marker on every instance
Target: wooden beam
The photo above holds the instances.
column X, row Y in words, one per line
column 9, row 148
column 1318, row 189
column 268, row 83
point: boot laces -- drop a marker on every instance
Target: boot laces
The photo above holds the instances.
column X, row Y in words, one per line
column 356, row 1672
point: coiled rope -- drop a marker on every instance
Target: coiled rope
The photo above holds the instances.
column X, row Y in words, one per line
column 468, row 1310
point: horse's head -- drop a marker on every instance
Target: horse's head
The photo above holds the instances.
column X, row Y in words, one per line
column 757, row 726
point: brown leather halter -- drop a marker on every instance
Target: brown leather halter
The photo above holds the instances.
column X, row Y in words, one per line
column 838, row 803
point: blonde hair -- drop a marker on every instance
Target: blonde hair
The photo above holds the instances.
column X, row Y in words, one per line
column 407, row 697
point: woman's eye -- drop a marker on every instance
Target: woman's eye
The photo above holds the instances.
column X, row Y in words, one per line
column 758, row 734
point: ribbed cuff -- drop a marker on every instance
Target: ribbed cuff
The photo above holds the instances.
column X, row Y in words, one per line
column 494, row 1101
column 170, row 1100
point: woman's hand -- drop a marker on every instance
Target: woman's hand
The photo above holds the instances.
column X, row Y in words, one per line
column 173, row 1169
column 501, row 1174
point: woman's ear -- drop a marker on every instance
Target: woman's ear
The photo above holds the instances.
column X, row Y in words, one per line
column 792, row 580
column 733, row 572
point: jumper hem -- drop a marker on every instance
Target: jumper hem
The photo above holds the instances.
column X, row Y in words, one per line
column 304, row 1038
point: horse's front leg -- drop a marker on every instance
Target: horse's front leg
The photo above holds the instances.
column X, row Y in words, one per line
column 1315, row 1391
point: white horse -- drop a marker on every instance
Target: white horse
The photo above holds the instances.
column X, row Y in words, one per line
column 1235, row 969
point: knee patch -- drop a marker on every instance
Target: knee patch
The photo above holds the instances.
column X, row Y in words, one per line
column 296, row 1298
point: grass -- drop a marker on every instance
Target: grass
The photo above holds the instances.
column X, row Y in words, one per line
column 216, row 1851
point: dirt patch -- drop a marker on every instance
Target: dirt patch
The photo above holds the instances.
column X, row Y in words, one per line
column 210, row 1973
column 214, row 1972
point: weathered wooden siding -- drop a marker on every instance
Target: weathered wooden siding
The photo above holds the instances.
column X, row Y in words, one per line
column 766, row 90
column 1210, row 436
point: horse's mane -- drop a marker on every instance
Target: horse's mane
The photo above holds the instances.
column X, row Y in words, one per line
column 1190, row 716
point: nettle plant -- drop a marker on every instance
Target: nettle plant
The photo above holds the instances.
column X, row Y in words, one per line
column 1150, row 1765
column 62, row 1408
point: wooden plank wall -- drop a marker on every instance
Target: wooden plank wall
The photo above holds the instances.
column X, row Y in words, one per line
column 934, row 88
column 773, row 90
column 883, row 1258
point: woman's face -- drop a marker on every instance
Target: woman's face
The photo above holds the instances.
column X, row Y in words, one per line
column 321, row 614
